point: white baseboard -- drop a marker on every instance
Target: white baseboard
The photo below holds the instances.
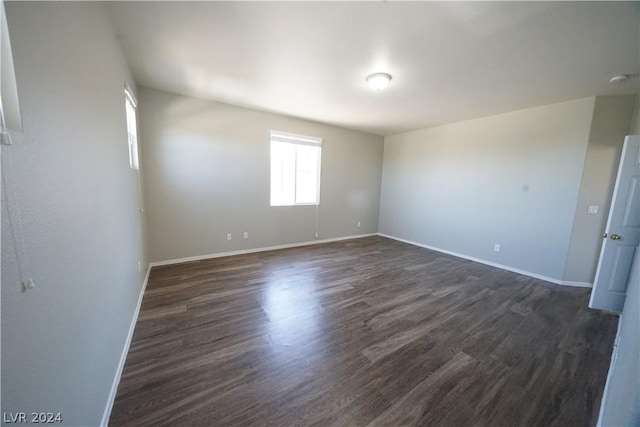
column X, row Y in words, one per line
column 123, row 356
column 262, row 249
column 492, row 264
column 575, row 284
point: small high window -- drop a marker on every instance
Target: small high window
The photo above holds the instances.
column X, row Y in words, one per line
column 132, row 128
column 295, row 169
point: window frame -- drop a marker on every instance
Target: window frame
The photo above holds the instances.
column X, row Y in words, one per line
column 295, row 140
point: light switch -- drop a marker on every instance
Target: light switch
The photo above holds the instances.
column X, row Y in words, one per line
column 593, row 210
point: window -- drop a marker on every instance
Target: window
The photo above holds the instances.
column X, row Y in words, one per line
column 132, row 128
column 295, row 169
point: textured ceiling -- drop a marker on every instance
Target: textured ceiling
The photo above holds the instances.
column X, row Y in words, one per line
column 450, row 61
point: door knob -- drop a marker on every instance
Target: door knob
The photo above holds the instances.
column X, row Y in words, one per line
column 615, row 237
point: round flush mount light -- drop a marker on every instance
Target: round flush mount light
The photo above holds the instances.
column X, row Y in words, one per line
column 619, row 78
column 378, row 81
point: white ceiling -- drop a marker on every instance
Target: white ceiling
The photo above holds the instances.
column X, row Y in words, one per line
column 450, row 61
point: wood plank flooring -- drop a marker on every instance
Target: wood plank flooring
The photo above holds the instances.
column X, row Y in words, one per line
column 365, row 332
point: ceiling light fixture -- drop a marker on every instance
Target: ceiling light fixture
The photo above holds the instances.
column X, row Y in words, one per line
column 379, row 81
column 619, row 78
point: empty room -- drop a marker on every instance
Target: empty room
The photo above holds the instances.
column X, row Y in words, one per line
column 320, row 213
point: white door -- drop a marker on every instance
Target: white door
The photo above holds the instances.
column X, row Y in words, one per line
column 622, row 234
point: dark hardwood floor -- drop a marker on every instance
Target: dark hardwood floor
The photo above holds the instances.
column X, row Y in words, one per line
column 361, row 332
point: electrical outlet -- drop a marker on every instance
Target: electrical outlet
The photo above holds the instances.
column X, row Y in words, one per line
column 245, row 235
column 359, row 224
column 228, row 236
column 316, row 235
column 139, row 266
column 496, row 247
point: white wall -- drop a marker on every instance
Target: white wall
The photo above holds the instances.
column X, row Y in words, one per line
column 207, row 173
column 78, row 201
column 511, row 179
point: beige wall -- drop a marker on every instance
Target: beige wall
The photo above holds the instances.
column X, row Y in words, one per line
column 69, row 181
column 611, row 119
column 208, row 173
column 511, row 179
